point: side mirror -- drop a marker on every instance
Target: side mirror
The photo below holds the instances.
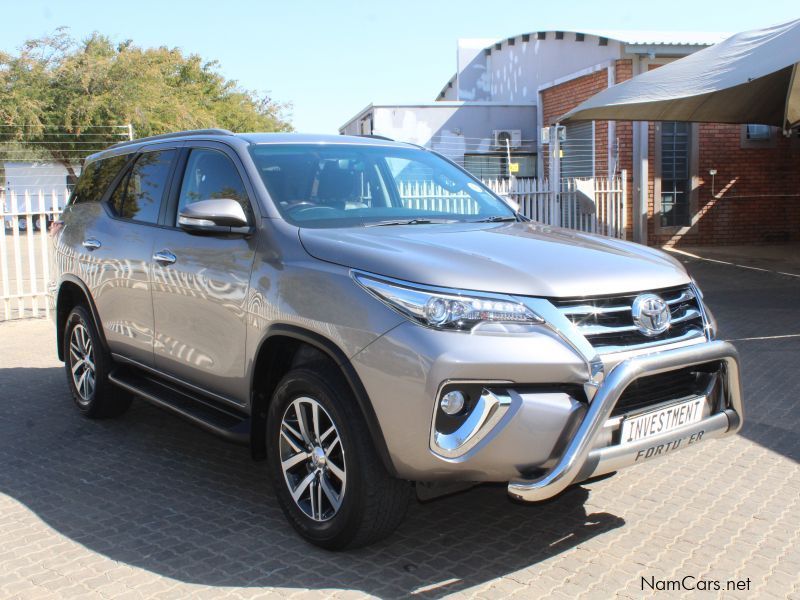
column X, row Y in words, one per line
column 222, row 215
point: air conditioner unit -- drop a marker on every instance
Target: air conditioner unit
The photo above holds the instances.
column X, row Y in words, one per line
column 504, row 138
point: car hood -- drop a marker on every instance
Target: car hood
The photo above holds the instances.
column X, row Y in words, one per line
column 527, row 259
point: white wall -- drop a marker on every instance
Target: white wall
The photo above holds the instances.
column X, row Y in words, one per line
column 455, row 128
column 472, row 79
column 25, row 176
column 514, row 73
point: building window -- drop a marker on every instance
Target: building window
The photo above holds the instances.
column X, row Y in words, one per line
column 494, row 166
column 577, row 150
column 365, row 125
column 758, row 136
column 758, row 132
column 675, row 188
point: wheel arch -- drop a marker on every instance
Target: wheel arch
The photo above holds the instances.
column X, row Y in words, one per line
column 273, row 361
column 72, row 292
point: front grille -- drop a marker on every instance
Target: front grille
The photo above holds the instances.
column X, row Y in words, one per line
column 672, row 385
column 607, row 321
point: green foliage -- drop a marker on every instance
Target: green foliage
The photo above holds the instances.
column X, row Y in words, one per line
column 58, row 83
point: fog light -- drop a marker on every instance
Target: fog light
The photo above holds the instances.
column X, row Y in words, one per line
column 452, row 402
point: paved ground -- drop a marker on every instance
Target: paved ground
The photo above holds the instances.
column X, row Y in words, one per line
column 147, row 506
column 783, row 258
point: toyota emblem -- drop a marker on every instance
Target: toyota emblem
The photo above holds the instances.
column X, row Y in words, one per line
column 651, row 314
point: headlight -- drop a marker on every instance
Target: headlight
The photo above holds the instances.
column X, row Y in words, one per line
column 449, row 309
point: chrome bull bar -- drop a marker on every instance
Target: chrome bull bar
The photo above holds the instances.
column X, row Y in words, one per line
column 581, row 461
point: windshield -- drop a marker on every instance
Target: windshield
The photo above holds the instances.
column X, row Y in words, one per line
column 340, row 185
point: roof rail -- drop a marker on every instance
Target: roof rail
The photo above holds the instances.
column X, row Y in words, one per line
column 166, row 136
column 376, row 136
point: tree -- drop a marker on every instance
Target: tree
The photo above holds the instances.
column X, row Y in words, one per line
column 58, row 83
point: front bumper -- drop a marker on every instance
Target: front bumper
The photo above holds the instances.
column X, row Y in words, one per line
column 582, row 458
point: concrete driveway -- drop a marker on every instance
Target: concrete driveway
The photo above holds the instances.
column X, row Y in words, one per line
column 147, row 506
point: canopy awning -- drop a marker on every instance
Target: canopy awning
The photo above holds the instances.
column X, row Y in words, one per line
column 751, row 77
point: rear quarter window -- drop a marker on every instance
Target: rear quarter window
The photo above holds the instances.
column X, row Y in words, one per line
column 139, row 194
column 96, row 179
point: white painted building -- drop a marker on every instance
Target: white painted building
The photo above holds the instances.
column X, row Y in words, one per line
column 463, row 131
column 498, row 87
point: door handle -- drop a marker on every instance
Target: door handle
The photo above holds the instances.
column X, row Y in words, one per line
column 91, row 244
column 164, row 257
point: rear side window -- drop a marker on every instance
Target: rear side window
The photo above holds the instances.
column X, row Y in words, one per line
column 96, row 178
column 138, row 196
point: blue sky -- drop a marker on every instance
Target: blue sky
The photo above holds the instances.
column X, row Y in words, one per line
column 332, row 58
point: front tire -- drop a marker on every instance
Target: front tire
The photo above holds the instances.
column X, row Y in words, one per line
column 328, row 477
column 87, row 366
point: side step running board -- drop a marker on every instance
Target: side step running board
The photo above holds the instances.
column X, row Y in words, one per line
column 223, row 421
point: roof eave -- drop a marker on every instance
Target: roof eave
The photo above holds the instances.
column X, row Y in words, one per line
column 665, row 50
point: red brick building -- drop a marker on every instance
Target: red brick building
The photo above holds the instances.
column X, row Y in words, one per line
column 701, row 183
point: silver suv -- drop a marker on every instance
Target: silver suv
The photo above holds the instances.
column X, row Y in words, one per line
column 373, row 321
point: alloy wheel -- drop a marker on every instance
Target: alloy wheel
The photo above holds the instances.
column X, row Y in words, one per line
column 312, row 459
column 81, row 354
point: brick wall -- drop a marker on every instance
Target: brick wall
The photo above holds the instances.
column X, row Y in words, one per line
column 561, row 98
column 757, row 190
column 756, row 195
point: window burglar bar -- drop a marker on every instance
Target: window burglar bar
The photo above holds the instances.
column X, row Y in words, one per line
column 675, row 174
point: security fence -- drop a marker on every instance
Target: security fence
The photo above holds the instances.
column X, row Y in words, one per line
column 589, row 205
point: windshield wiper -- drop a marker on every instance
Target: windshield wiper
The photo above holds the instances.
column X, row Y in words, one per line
column 496, row 219
column 408, row 222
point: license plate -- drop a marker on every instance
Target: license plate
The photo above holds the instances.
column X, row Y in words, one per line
column 661, row 420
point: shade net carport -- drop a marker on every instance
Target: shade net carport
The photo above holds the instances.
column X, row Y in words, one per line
column 751, row 77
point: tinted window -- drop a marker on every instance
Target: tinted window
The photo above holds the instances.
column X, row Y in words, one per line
column 139, row 195
column 96, row 178
column 209, row 175
column 118, row 196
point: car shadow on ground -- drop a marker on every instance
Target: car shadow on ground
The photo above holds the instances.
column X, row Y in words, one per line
column 151, row 491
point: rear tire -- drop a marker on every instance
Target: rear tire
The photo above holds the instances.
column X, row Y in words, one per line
column 328, row 477
column 87, row 366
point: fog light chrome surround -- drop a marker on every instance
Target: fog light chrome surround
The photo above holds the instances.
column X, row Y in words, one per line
column 487, row 411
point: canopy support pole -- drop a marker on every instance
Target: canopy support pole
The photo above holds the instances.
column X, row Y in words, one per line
column 640, row 181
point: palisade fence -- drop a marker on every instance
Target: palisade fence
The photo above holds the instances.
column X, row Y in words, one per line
column 593, row 205
column 25, row 251
column 590, row 205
